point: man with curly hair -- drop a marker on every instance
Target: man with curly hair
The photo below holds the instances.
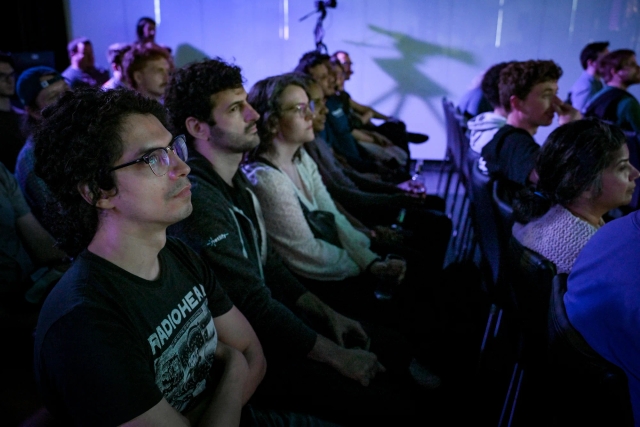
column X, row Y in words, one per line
column 208, row 103
column 528, row 94
column 114, row 343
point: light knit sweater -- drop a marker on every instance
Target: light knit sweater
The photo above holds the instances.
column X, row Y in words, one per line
column 288, row 228
column 558, row 235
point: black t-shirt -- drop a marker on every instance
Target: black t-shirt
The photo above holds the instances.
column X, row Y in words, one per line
column 511, row 154
column 109, row 344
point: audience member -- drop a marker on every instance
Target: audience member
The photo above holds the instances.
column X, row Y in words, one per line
column 473, row 102
column 83, row 72
column 115, row 53
column 484, row 126
column 338, row 130
column 589, row 83
column 146, row 32
column 11, row 118
column 146, row 69
column 24, row 245
column 137, row 331
column 38, row 87
column 425, row 229
column 602, row 298
column 614, row 103
column 583, row 173
column 208, row 103
column 392, row 128
column 528, row 93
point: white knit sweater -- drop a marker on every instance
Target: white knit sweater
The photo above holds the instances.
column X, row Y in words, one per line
column 288, row 228
column 558, row 235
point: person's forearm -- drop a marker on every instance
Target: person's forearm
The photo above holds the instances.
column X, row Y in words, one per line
column 325, row 351
column 39, row 243
column 362, row 136
column 226, row 403
column 313, row 306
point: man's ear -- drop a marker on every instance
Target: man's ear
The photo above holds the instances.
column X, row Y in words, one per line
column 104, row 202
column 515, row 102
column 137, row 78
column 197, row 129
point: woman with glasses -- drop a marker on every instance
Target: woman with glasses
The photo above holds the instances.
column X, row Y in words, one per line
column 287, row 183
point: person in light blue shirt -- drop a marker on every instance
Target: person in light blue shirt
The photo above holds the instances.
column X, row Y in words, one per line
column 589, row 83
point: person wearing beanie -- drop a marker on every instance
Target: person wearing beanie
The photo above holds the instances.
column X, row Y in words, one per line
column 37, row 87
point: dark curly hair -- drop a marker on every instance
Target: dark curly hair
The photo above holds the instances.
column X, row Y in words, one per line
column 518, row 78
column 76, row 143
column 189, row 91
column 264, row 97
column 570, row 162
column 490, row 84
column 135, row 58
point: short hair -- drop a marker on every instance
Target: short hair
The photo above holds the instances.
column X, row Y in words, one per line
column 311, row 59
column 190, row 88
column 140, row 25
column 78, row 140
column 138, row 55
column 334, row 56
column 591, row 52
column 570, row 162
column 7, row 58
column 490, row 84
column 72, row 47
column 116, row 52
column 264, row 97
column 518, row 78
column 613, row 61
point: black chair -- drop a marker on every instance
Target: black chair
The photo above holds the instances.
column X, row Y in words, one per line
column 585, row 389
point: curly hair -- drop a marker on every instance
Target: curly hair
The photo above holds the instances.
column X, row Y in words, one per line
column 76, row 143
column 490, row 84
column 190, row 88
column 518, row 78
column 264, row 97
column 570, row 162
column 138, row 55
column 613, row 61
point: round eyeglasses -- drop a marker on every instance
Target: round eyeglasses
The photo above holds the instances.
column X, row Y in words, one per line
column 159, row 159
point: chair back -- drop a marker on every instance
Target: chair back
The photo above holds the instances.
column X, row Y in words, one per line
column 531, row 278
column 588, row 389
column 457, row 140
column 487, row 225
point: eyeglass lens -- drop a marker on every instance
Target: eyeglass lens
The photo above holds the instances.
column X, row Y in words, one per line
column 159, row 160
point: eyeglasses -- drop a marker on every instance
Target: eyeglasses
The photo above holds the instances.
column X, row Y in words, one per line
column 158, row 159
column 303, row 110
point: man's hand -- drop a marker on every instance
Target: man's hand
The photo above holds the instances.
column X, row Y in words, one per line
column 566, row 112
column 342, row 326
column 380, row 139
column 391, row 270
column 413, row 187
column 359, row 365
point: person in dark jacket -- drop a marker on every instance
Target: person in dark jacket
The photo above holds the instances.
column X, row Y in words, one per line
column 314, row 352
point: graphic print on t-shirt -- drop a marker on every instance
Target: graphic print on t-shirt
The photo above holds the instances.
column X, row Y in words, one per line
column 191, row 340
